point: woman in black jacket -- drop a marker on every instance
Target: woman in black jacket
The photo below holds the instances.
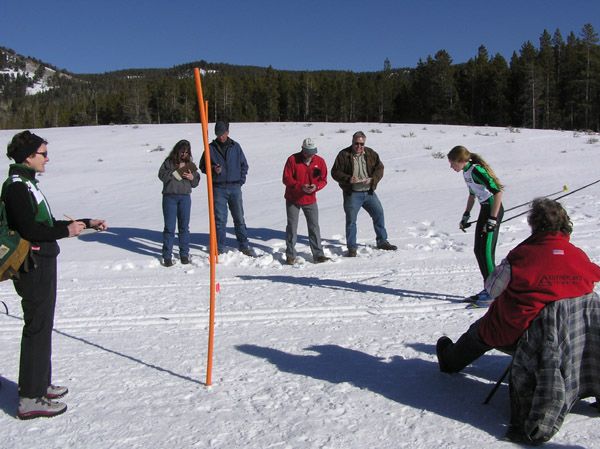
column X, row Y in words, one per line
column 28, row 213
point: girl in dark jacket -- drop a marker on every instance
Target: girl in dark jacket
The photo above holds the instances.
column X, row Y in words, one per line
column 179, row 175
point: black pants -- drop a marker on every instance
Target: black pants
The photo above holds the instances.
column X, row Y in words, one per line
column 466, row 350
column 485, row 242
column 37, row 290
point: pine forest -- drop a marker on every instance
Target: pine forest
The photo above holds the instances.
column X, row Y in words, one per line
column 554, row 84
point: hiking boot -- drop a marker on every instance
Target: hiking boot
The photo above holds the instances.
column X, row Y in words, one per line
column 321, row 259
column 479, row 305
column 168, row 262
column 441, row 345
column 30, row 408
column 351, row 252
column 185, row 260
column 387, row 246
column 484, row 296
column 481, row 300
column 248, row 252
column 290, row 260
column 55, row 392
column 471, row 299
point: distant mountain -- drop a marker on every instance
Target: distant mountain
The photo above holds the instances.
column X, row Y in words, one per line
column 26, row 75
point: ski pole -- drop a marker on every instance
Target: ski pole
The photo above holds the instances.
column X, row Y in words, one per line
column 577, row 190
column 556, row 199
column 564, row 189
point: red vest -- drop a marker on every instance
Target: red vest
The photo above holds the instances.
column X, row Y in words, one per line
column 544, row 268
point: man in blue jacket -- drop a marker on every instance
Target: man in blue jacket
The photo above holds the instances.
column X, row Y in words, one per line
column 229, row 170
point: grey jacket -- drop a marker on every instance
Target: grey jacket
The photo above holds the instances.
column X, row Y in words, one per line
column 173, row 186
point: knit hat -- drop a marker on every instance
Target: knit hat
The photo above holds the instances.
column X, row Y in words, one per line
column 221, row 128
column 309, row 146
column 23, row 145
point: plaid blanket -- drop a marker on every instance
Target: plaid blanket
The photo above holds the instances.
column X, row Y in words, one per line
column 557, row 362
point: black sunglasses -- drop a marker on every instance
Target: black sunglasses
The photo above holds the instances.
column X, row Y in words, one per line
column 44, row 154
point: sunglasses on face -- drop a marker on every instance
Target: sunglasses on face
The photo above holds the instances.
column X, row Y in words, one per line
column 359, row 144
column 44, row 154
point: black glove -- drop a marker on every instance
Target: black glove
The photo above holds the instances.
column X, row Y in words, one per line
column 491, row 224
column 464, row 222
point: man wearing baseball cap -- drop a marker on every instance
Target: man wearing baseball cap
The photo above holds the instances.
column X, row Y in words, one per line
column 304, row 174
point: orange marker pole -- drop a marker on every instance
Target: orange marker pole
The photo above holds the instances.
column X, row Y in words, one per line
column 213, row 235
column 211, row 217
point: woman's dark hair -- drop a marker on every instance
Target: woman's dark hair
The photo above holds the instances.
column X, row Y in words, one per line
column 548, row 215
column 178, row 149
column 23, row 145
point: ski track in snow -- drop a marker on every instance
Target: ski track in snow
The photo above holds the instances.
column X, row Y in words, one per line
column 405, row 301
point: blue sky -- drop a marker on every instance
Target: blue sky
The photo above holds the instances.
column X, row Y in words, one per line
column 99, row 36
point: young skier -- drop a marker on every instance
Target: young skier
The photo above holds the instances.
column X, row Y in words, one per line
column 483, row 185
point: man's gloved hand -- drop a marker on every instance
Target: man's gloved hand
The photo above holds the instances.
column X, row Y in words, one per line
column 464, row 222
column 491, row 224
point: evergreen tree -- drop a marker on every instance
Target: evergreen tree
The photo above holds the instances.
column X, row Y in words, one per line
column 557, row 85
column 546, row 64
column 589, row 39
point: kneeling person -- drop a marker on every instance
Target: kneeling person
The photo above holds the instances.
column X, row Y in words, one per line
column 517, row 288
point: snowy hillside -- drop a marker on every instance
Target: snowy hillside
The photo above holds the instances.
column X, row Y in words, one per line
column 37, row 75
column 336, row 355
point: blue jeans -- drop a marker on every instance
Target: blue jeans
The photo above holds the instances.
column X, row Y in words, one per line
column 352, row 205
column 176, row 208
column 224, row 197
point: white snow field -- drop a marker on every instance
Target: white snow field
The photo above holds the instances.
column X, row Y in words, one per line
column 335, row 355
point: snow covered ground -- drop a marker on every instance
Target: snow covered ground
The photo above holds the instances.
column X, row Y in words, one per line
column 336, row 355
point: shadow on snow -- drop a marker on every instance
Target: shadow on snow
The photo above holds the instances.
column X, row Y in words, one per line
column 413, row 382
column 149, row 241
column 141, row 241
column 9, row 390
column 355, row 286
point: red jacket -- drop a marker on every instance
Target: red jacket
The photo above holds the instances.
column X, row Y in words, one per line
column 544, row 268
column 296, row 174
